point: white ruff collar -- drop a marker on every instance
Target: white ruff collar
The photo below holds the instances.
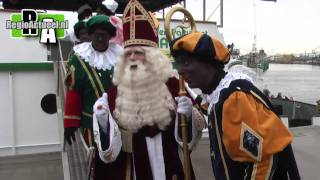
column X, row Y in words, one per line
column 100, row 60
column 224, row 83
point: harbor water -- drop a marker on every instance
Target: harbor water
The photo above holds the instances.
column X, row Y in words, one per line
column 299, row 81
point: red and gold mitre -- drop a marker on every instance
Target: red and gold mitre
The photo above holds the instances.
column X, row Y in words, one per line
column 139, row 28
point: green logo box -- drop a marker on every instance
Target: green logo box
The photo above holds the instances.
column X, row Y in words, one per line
column 17, row 17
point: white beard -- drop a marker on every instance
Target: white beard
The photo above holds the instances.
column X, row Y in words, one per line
column 142, row 98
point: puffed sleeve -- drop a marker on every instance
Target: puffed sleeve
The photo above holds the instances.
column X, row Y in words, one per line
column 251, row 131
column 73, row 106
column 75, row 74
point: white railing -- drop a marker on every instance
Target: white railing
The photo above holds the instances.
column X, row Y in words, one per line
column 76, row 157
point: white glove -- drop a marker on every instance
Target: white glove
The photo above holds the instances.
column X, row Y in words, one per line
column 101, row 106
column 101, row 110
column 184, row 105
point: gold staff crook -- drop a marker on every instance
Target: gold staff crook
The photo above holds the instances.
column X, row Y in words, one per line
column 182, row 90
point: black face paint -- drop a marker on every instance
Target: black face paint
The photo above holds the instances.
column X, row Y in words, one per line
column 100, row 39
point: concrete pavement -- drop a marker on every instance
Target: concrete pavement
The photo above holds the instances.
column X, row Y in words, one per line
column 306, row 147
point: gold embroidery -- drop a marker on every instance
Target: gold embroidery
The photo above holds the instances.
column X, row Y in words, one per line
column 257, row 96
column 98, row 80
column 72, row 117
column 270, row 168
column 246, row 173
column 147, row 15
column 71, row 72
column 89, row 76
column 132, row 18
column 132, row 22
column 140, row 41
column 220, row 145
column 87, row 114
column 245, row 127
column 254, row 171
column 137, row 17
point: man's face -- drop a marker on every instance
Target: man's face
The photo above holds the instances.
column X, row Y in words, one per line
column 133, row 55
column 84, row 36
column 195, row 72
column 137, row 79
column 100, row 39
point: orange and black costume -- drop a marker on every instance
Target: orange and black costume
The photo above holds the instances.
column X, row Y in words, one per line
column 248, row 140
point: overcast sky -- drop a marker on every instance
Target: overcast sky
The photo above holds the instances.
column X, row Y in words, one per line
column 285, row 26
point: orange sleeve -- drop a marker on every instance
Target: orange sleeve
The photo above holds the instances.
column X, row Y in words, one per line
column 73, row 109
column 251, row 131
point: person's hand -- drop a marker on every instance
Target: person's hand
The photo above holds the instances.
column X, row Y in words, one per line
column 69, row 134
column 198, row 119
column 101, row 109
column 101, row 106
column 184, row 106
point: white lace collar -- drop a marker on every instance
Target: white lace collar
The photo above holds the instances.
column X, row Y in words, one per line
column 224, row 83
column 100, row 60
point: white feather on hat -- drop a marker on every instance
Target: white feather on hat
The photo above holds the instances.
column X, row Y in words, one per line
column 111, row 5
